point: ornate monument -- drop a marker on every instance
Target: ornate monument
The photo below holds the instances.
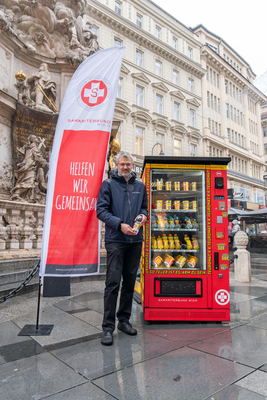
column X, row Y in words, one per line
column 42, row 42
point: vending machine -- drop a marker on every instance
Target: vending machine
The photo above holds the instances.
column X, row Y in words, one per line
column 185, row 259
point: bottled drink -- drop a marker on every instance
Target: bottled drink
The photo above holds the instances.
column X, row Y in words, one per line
column 137, row 223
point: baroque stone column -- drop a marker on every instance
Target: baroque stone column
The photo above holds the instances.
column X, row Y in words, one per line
column 13, row 230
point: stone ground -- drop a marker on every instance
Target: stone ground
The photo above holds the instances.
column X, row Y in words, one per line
column 164, row 361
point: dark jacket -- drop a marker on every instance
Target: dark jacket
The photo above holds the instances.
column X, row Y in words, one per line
column 121, row 201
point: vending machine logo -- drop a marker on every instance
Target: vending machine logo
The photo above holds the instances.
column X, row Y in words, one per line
column 93, row 93
column 221, row 246
column 223, row 267
column 225, row 257
column 222, row 297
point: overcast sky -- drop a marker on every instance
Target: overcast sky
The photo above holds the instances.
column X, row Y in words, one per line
column 241, row 24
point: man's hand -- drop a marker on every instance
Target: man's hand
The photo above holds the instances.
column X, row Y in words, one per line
column 127, row 230
column 143, row 220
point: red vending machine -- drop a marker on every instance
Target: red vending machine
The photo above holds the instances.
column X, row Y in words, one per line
column 185, row 259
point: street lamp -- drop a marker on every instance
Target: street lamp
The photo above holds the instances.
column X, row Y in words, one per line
column 161, row 151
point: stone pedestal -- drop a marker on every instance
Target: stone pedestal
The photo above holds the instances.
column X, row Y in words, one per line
column 242, row 263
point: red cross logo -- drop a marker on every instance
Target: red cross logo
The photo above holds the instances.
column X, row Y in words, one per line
column 222, row 297
column 94, row 93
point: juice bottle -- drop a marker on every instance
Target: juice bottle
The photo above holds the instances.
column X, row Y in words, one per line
column 159, row 243
column 188, row 242
column 176, row 241
column 195, row 243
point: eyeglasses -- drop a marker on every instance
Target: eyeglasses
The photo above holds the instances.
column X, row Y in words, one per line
column 125, row 165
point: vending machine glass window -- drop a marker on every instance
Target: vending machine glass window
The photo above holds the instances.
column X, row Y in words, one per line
column 178, row 215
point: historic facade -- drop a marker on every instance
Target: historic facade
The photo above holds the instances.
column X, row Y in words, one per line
column 231, row 120
column 159, row 91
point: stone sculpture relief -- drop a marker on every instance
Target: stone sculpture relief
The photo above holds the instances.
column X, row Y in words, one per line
column 31, row 183
column 47, row 27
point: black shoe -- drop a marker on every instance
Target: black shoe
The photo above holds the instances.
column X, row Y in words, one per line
column 107, row 338
column 126, row 327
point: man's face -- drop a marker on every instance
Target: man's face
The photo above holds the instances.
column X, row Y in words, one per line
column 125, row 166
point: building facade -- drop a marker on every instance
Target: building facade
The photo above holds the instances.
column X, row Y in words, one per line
column 231, row 122
column 159, row 92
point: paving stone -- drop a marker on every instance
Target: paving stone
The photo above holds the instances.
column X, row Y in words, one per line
column 256, row 382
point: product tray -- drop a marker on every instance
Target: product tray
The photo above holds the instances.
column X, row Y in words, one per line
column 174, row 250
column 173, row 230
column 172, row 210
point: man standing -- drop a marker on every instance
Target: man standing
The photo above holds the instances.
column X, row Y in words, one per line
column 120, row 200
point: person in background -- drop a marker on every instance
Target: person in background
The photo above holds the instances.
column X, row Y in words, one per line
column 120, row 200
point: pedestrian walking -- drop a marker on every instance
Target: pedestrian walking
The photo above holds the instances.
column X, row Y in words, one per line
column 121, row 199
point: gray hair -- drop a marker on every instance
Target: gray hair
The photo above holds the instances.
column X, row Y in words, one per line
column 124, row 154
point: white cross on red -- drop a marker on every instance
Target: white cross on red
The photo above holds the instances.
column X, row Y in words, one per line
column 222, row 297
column 94, row 93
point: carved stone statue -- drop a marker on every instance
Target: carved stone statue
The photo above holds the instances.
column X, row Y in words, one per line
column 46, row 27
column 21, row 87
column 27, row 179
column 42, row 89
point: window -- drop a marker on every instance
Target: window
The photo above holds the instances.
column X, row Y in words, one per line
column 216, row 128
column 214, row 78
column 139, row 140
column 231, row 112
column 245, row 167
column 157, row 32
column 117, row 43
column 234, row 114
column 241, row 118
column 239, row 139
column 227, row 110
column 139, row 20
column 190, row 85
column 242, row 141
column 94, row 30
column 158, row 68
column 237, row 116
column 240, row 96
column 233, row 91
column 217, row 80
column 209, row 151
column 220, row 130
column 159, row 139
column 159, row 104
column 207, row 73
column 265, row 148
column 177, row 147
column 193, row 150
column 219, row 109
column 176, row 112
column 230, row 88
column 215, row 103
column 229, row 134
column 174, row 43
column 242, row 166
column 119, row 89
column 175, row 76
column 236, row 93
column 192, row 118
column 210, row 75
column 139, row 58
column 226, row 86
column 139, row 96
column 209, row 123
column 212, row 126
column 211, row 101
column 265, row 131
column 235, row 137
column 190, row 52
column 118, row 7
column 232, row 136
column 208, row 99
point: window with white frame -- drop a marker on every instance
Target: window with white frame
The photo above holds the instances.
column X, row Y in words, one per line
column 215, row 103
column 160, row 140
column 211, row 101
column 118, row 7
column 117, row 42
column 176, row 111
column 158, row 68
column 174, row 43
column 265, row 148
column 190, row 52
column 207, row 73
column 265, row 131
column 190, row 85
column 227, row 110
column 193, row 150
column 157, row 32
column 139, row 96
column 229, row 134
column 175, row 76
column 94, row 30
column 208, row 99
column 139, row 58
column 159, row 104
column 192, row 121
column 219, row 106
column 226, row 86
column 119, row 89
column 139, row 140
column 177, row 150
column 139, row 20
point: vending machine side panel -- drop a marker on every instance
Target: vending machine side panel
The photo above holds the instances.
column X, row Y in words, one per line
column 220, row 294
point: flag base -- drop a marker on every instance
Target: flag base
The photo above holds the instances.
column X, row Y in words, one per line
column 32, row 330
